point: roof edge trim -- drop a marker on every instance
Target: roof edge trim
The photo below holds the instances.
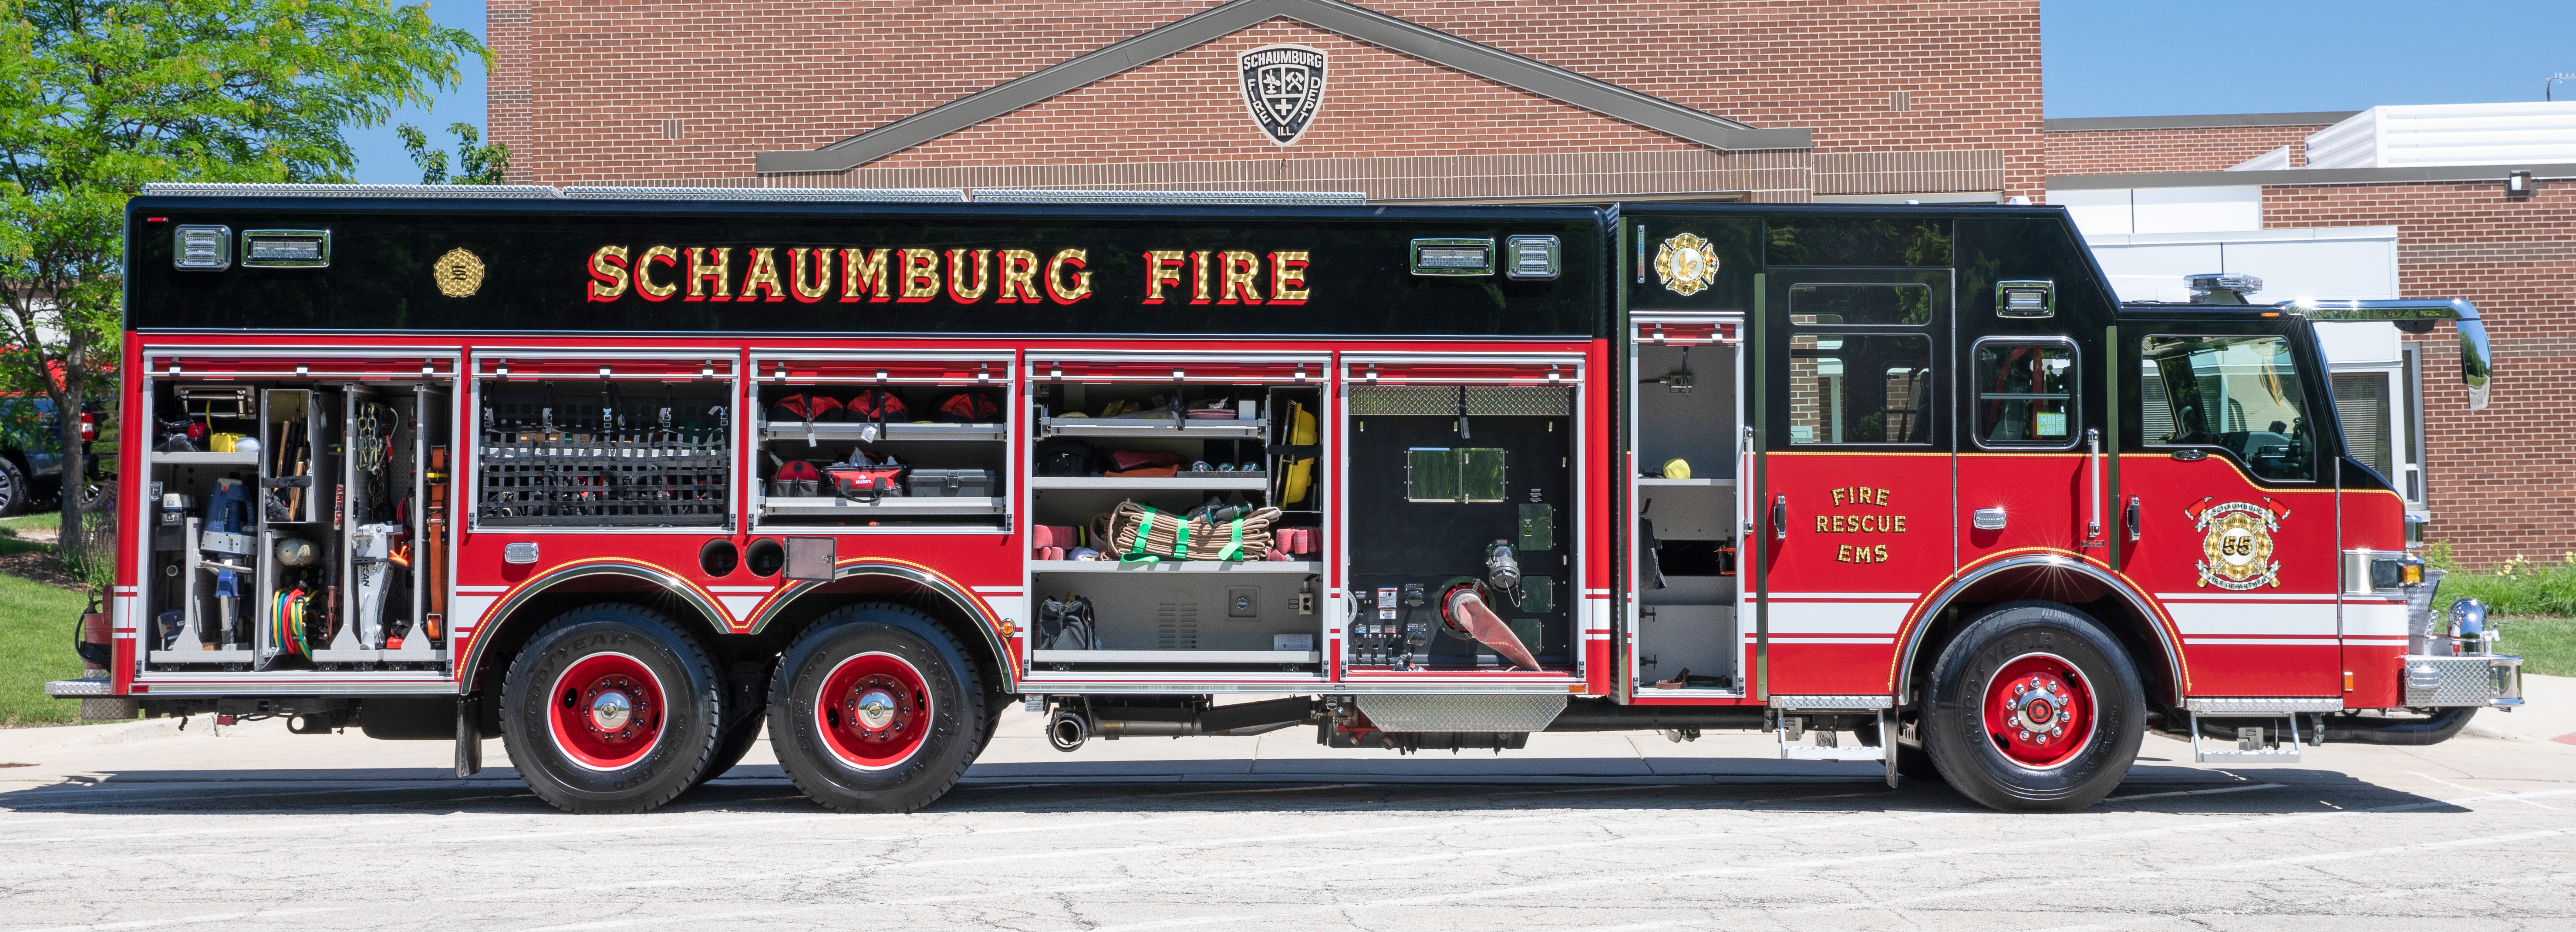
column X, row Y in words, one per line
column 2306, row 176
column 1401, row 36
column 2195, row 121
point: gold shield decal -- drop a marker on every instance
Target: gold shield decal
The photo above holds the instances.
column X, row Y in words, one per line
column 459, row 273
column 1687, row 264
column 2236, row 543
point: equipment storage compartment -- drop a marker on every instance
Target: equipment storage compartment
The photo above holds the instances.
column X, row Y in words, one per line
column 1157, row 540
column 289, row 523
column 597, row 442
column 881, row 440
column 1686, row 424
column 1461, row 498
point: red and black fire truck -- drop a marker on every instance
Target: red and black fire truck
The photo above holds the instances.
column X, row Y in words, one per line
column 627, row 477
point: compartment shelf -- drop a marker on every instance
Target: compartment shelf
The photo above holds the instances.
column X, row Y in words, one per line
column 1723, row 483
column 1177, row 566
column 1256, row 481
column 205, row 459
column 848, row 431
column 898, row 505
column 1148, row 427
column 1176, row 656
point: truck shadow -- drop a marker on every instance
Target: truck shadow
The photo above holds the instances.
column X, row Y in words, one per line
column 1412, row 784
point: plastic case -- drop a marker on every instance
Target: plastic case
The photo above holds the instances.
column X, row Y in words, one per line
column 952, row 483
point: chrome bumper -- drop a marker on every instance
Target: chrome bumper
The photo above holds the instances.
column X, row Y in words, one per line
column 2473, row 680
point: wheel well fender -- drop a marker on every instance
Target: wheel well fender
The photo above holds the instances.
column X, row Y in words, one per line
column 528, row 606
column 976, row 621
column 2130, row 615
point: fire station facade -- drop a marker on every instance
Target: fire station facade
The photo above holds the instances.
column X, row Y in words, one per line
column 1422, row 102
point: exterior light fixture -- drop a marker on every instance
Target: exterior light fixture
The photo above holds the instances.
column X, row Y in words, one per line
column 2519, row 184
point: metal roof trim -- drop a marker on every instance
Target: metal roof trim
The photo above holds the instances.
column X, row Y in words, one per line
column 842, row 195
column 492, row 191
column 1218, row 198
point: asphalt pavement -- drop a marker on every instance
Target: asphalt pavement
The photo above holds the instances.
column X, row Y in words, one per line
column 144, row 826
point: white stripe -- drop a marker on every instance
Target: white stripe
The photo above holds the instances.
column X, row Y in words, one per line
column 2308, row 642
column 1837, row 618
column 482, row 588
column 2247, row 596
column 2274, row 618
column 1001, row 589
column 2365, row 618
column 2381, row 642
column 740, row 606
column 468, row 610
column 740, row 588
column 1784, row 642
column 1847, row 595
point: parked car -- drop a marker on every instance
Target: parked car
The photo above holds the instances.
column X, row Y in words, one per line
column 31, row 457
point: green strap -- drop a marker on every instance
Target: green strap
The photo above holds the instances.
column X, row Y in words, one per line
column 1234, row 546
column 1136, row 551
column 1181, row 544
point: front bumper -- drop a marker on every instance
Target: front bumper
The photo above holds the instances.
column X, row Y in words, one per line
column 2474, row 680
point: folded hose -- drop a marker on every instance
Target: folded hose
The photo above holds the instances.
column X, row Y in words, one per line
column 1140, row 532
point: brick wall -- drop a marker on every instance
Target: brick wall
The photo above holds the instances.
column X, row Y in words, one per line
column 2195, row 149
column 580, row 92
column 2502, row 481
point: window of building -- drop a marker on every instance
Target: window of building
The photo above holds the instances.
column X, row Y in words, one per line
column 1901, row 303
column 1860, row 388
column 2025, row 393
column 2238, row 393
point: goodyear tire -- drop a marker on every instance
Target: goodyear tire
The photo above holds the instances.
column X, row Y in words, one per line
column 2034, row 708
column 610, row 709
column 876, row 709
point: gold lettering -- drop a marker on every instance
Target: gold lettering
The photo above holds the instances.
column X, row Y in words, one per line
column 1057, row 287
column 1842, row 553
column 1820, row 524
column 701, row 273
column 1199, row 277
column 608, row 273
column 1241, row 269
column 1900, row 524
column 822, row 274
column 982, row 260
column 1288, row 277
column 1882, row 554
column 920, row 275
column 763, row 274
column 1019, row 277
column 1882, row 496
column 864, row 271
column 644, row 264
column 1838, row 498
column 1162, row 267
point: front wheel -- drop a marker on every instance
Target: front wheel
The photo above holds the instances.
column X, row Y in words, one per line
column 876, row 709
column 2034, row 708
column 610, row 709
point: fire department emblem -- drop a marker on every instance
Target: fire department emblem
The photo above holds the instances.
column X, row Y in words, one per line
column 2236, row 543
column 1687, row 264
column 459, row 273
column 1284, row 85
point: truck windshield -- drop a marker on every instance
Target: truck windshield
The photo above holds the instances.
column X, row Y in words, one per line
column 2241, row 393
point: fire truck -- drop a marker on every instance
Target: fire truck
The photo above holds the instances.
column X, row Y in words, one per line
column 628, row 477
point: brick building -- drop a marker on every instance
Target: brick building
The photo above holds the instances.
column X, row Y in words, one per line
column 1515, row 100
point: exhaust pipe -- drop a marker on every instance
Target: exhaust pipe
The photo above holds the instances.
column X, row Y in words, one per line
column 2432, row 729
column 1067, row 730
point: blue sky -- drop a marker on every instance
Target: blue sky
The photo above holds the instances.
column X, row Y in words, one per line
column 2101, row 58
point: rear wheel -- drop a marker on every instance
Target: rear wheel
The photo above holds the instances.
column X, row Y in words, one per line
column 14, row 491
column 610, row 709
column 876, row 709
column 2034, row 708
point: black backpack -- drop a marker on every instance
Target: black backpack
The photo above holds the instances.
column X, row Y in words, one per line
column 1066, row 625
column 1063, row 456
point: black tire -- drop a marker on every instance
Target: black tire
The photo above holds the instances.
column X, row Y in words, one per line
column 15, row 493
column 1967, row 754
column 929, row 739
column 683, row 736
column 738, row 741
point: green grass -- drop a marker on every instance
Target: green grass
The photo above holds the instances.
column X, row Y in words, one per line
column 2547, row 645
column 36, row 646
column 43, row 522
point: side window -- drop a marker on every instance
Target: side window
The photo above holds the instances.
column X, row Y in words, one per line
column 1860, row 388
column 2025, row 393
column 2240, row 393
column 1900, row 303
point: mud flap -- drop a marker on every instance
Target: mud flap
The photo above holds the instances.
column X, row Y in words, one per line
column 469, row 736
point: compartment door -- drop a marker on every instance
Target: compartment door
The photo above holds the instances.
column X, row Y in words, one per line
column 1853, row 497
column 1681, row 533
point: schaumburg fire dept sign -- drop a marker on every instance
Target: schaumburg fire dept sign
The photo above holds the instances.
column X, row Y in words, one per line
column 1284, row 85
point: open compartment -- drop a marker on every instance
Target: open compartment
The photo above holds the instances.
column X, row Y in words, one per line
column 1460, row 491
column 293, row 526
column 595, row 442
column 886, row 440
column 1686, row 418
column 1171, row 474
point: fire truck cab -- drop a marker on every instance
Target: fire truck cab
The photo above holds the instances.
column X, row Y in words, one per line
column 629, row 477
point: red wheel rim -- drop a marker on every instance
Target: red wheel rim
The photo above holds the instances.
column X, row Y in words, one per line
column 607, row 711
column 874, row 711
column 2039, row 711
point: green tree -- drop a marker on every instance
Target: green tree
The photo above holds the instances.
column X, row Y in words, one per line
column 98, row 97
column 477, row 163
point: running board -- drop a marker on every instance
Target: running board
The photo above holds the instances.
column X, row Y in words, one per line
column 2249, row 742
column 1792, row 725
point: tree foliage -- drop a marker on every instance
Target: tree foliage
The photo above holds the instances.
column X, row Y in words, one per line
column 476, row 163
column 98, row 97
